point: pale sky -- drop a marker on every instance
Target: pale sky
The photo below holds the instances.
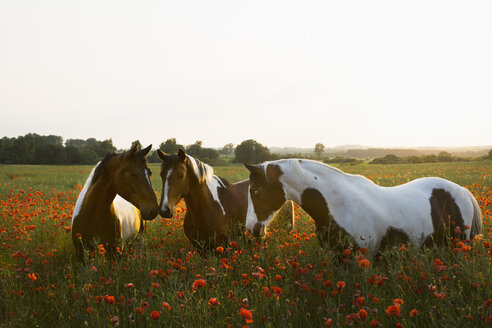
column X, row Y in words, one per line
column 285, row 73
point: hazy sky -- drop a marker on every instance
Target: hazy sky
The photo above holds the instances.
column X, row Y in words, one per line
column 286, row 73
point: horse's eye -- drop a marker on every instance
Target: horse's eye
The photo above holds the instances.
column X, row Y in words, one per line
column 181, row 176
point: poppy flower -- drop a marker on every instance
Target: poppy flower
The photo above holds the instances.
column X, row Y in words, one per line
column 154, row 315
column 199, row 283
column 340, row 284
column 393, row 310
column 213, row 302
column 166, row 306
column 246, row 314
column 414, row 312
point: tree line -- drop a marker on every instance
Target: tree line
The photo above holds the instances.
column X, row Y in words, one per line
column 36, row 149
column 33, row 148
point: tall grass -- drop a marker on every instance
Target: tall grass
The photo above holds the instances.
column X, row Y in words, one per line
column 286, row 279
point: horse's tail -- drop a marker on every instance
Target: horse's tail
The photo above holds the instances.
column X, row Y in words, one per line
column 476, row 225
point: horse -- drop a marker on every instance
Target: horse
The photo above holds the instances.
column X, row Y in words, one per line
column 114, row 202
column 424, row 211
column 216, row 208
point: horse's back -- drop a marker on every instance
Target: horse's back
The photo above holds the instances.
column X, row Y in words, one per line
column 438, row 197
column 129, row 217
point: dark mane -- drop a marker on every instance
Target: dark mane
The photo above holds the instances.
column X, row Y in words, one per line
column 102, row 165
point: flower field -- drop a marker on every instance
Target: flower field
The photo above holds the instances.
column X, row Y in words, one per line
column 283, row 280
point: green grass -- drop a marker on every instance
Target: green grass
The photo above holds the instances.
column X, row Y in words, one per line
column 162, row 266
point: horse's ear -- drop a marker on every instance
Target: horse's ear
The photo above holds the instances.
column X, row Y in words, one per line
column 135, row 147
column 181, row 155
column 162, row 155
column 251, row 168
column 144, row 152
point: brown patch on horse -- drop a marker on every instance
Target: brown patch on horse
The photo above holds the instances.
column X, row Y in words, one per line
column 446, row 217
column 327, row 229
column 269, row 189
column 393, row 236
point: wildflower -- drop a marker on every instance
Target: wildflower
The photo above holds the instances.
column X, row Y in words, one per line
column 398, row 301
column 199, row 283
column 140, row 310
column 220, row 249
column 166, row 306
column 109, row 299
column 393, row 310
column 154, row 315
column 213, row 302
column 101, row 249
column 364, row 263
column 129, row 285
column 246, row 314
column 328, row 322
column 115, row 320
column 414, row 312
column 362, row 315
column 374, row 323
column 340, row 284
column 32, row 276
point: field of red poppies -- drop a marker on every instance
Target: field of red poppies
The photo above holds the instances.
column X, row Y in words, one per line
column 284, row 280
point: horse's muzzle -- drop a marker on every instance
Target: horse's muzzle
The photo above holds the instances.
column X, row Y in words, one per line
column 166, row 212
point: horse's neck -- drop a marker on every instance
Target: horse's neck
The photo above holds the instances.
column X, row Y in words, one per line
column 99, row 197
column 295, row 182
column 199, row 198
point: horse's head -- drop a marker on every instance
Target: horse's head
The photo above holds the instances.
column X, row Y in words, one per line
column 266, row 195
column 132, row 181
column 175, row 184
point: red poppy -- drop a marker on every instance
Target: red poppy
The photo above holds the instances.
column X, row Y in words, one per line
column 414, row 312
column 154, row 315
column 199, row 283
column 393, row 310
column 246, row 314
column 166, row 306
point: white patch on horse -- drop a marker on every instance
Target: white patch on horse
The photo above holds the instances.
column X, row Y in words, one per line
column 80, row 200
column 148, row 177
column 207, row 175
column 166, row 190
column 251, row 218
column 127, row 215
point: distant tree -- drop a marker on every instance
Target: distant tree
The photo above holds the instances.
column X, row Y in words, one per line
column 252, row 152
column 227, row 149
column 388, row 159
column 319, row 149
column 170, row 146
column 194, row 149
column 444, row 156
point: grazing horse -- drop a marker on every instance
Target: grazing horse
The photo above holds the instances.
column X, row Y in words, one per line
column 215, row 207
column 115, row 200
column 423, row 211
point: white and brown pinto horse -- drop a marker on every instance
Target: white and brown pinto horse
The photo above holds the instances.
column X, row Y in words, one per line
column 115, row 200
column 423, row 211
column 216, row 208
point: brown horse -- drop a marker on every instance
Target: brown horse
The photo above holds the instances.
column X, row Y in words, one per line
column 215, row 207
column 115, row 200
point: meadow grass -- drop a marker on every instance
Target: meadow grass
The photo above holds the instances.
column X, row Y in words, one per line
column 285, row 279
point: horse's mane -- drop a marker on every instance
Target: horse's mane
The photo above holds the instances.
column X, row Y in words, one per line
column 99, row 169
column 203, row 172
